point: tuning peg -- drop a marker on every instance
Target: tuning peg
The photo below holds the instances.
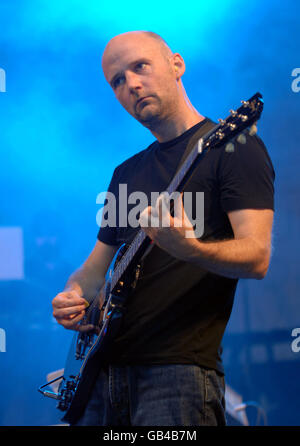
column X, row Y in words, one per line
column 241, row 138
column 233, row 112
column 245, row 103
column 253, row 130
column 221, row 121
column 229, row 147
column 243, row 117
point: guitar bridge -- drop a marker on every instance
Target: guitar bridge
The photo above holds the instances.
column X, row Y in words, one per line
column 67, row 394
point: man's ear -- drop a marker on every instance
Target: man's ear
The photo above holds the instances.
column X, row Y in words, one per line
column 178, row 64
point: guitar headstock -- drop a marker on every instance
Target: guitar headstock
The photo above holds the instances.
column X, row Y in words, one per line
column 238, row 120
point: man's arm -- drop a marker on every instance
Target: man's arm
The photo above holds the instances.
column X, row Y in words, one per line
column 89, row 278
column 247, row 255
column 82, row 286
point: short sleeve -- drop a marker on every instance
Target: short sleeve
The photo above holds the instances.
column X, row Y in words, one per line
column 246, row 176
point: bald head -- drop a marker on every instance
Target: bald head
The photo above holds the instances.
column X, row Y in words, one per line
column 145, row 38
column 145, row 76
column 162, row 44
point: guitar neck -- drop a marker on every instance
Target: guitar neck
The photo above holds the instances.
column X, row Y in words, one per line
column 141, row 242
column 234, row 124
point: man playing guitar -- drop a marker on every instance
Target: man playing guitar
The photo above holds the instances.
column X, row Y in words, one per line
column 165, row 368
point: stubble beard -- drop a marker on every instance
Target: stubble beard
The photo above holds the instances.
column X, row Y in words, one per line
column 154, row 114
column 148, row 114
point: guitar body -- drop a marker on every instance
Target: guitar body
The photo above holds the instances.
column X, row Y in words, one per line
column 89, row 348
column 80, row 375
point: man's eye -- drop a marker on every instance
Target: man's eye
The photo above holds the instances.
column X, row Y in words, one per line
column 141, row 66
column 118, row 81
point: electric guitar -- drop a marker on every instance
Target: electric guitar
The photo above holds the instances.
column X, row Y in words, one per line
column 105, row 312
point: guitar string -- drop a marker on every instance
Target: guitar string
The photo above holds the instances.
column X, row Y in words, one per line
column 141, row 236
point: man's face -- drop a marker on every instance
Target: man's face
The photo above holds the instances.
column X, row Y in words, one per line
column 142, row 77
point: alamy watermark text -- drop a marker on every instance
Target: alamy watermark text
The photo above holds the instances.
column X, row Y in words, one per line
column 295, row 345
column 125, row 210
column 2, row 81
column 2, row 341
column 296, row 81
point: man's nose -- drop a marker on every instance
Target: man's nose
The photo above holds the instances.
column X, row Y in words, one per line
column 133, row 81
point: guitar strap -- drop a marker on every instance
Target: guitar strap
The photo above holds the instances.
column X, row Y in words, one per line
column 203, row 130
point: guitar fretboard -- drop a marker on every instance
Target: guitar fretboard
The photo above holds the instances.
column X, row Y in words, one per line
column 235, row 123
column 140, row 238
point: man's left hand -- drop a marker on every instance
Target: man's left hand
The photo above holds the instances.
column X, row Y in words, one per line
column 171, row 233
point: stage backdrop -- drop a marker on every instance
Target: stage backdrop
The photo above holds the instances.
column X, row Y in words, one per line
column 62, row 134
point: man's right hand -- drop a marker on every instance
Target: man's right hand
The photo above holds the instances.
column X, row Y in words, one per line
column 69, row 306
column 69, row 309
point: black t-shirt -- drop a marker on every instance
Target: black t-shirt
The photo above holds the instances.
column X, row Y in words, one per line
column 178, row 311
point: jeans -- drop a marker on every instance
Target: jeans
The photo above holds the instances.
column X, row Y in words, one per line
column 156, row 395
